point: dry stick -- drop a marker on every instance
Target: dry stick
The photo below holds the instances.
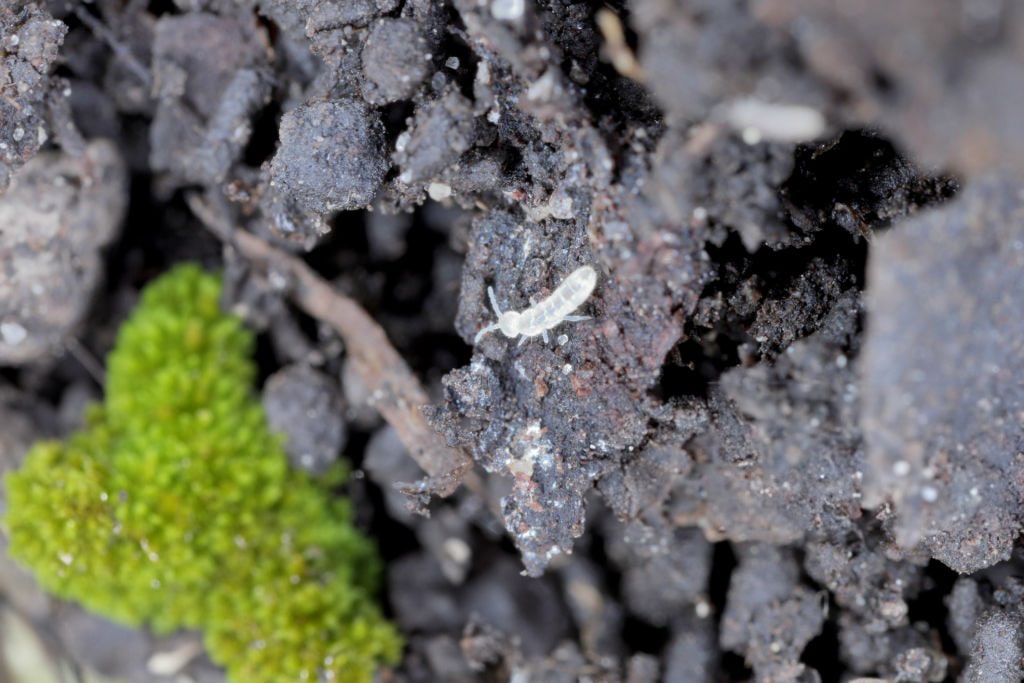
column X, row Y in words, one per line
column 617, row 50
column 395, row 391
column 122, row 51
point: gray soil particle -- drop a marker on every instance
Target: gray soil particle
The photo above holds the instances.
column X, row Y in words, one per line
column 863, row 580
column 29, row 42
column 941, row 366
column 396, row 59
column 766, row 468
column 306, row 406
column 769, row 617
column 965, row 606
column 336, row 14
column 440, row 132
column 202, row 118
column 597, row 616
column 206, row 151
column 865, row 651
column 667, row 576
column 719, row 196
column 56, row 216
column 783, row 318
column 184, row 47
column 996, row 651
column 692, row 653
column 386, row 462
column 920, row 664
column 331, row 156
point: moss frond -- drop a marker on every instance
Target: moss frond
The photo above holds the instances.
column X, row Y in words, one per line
column 175, row 506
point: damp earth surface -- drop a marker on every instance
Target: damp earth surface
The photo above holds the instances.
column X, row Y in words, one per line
column 786, row 445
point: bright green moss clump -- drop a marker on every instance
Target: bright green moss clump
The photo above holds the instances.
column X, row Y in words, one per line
column 176, row 507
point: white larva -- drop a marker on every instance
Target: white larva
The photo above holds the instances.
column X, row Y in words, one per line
column 544, row 315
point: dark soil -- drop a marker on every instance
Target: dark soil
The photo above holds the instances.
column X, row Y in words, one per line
column 788, row 445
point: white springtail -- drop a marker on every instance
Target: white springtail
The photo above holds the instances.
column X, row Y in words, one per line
column 544, row 315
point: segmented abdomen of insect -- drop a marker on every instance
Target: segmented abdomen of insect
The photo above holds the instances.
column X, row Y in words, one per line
column 566, row 298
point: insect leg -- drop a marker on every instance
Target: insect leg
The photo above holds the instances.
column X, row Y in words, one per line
column 522, row 341
column 545, row 333
column 481, row 333
column 576, row 318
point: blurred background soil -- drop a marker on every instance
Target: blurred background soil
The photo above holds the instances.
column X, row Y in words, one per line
column 787, row 446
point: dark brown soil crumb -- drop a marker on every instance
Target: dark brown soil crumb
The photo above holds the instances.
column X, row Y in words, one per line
column 788, row 443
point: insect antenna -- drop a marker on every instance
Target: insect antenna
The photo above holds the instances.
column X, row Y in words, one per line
column 494, row 301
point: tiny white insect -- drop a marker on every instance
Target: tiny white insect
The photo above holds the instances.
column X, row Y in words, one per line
column 544, row 315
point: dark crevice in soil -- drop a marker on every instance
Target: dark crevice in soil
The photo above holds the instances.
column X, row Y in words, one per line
column 640, row 636
column 453, row 45
column 393, row 538
column 409, row 279
column 266, row 361
column 156, row 236
column 777, row 269
column 860, row 183
column 263, row 142
column 162, row 7
column 347, row 246
column 694, row 365
column 395, row 117
column 434, row 354
column 929, row 605
column 822, row 652
column 700, row 360
column 723, row 562
column 734, row 668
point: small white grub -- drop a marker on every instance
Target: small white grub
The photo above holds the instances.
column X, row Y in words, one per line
column 536, row 320
column 758, row 120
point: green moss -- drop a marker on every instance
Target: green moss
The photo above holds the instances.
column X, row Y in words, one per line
column 175, row 507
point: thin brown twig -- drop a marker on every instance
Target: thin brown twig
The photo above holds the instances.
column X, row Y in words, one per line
column 86, row 359
column 396, row 392
column 117, row 46
column 617, row 51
